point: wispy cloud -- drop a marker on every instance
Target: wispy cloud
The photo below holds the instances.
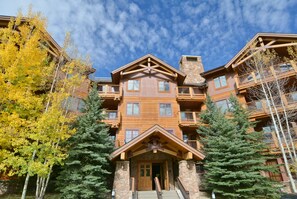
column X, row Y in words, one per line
column 114, row 33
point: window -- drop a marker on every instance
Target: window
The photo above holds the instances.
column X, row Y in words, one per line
column 73, row 104
column 223, row 105
column 171, row 131
column 165, row 110
column 220, row 81
column 163, row 86
column 132, row 108
column 133, row 85
column 130, row 135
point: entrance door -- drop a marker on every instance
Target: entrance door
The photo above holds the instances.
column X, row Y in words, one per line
column 145, row 176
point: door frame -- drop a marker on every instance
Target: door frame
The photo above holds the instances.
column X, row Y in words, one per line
column 165, row 175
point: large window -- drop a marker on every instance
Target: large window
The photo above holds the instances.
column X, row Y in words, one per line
column 132, row 108
column 165, row 109
column 73, row 104
column 220, row 81
column 131, row 134
column 223, row 105
column 163, row 86
column 133, row 85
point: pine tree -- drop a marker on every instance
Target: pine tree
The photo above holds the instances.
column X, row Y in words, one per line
column 87, row 169
column 234, row 161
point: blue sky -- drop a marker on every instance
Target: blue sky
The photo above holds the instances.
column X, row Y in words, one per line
column 113, row 33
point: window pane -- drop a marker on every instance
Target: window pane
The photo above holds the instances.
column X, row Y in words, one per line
column 161, row 86
column 222, row 105
column 128, row 137
column 136, row 109
column 165, row 110
column 130, row 85
column 223, row 81
column 136, row 85
column 129, row 109
column 217, row 83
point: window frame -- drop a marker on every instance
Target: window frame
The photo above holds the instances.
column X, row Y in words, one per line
column 163, row 91
column 220, row 82
column 133, row 136
column 227, row 103
column 171, row 112
column 132, row 111
column 133, row 89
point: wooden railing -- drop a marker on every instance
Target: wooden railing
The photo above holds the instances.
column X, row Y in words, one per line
column 189, row 93
column 189, row 118
column 285, row 69
column 183, row 190
column 261, row 106
column 158, row 188
column 113, row 118
column 109, row 91
column 193, row 143
column 132, row 188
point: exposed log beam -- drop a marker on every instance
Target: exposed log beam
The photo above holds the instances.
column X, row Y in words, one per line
column 188, row 156
column 169, row 152
column 281, row 45
column 251, row 55
column 123, row 156
column 133, row 71
column 163, row 72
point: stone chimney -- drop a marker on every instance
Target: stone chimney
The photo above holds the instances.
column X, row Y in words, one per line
column 192, row 66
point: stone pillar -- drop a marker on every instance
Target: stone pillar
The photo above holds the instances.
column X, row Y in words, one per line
column 121, row 183
column 189, row 177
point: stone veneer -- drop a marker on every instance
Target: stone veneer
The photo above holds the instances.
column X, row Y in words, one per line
column 187, row 175
column 192, row 68
column 121, row 184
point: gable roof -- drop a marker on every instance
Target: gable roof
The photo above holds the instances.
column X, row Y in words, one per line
column 264, row 36
column 117, row 72
column 158, row 130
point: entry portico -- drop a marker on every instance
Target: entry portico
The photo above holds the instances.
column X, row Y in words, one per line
column 155, row 153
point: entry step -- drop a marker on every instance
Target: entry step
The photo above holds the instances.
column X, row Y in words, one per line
column 169, row 194
column 147, row 195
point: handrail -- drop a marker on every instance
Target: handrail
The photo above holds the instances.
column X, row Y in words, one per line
column 158, row 188
column 132, row 188
column 184, row 192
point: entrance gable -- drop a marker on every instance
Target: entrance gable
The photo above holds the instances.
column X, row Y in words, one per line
column 157, row 139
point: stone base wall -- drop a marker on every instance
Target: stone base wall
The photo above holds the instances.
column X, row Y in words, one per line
column 189, row 177
column 121, row 184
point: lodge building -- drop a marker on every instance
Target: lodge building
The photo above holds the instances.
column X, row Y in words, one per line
column 153, row 113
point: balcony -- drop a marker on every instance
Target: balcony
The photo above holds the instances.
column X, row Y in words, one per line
column 194, row 143
column 260, row 107
column 189, row 118
column 282, row 70
column 113, row 118
column 187, row 93
column 109, row 91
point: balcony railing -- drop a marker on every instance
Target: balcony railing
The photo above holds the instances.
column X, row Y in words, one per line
column 282, row 70
column 189, row 93
column 194, row 143
column 109, row 91
column 189, row 118
column 112, row 118
column 261, row 106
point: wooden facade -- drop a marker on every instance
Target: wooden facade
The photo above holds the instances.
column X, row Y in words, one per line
column 148, row 92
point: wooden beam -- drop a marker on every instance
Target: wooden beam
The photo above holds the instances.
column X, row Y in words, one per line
column 139, row 152
column 163, row 72
column 133, row 71
column 169, row 152
column 281, row 45
column 188, row 156
column 251, row 55
column 123, row 156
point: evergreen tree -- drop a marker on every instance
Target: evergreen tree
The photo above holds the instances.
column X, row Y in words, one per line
column 86, row 170
column 234, row 161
